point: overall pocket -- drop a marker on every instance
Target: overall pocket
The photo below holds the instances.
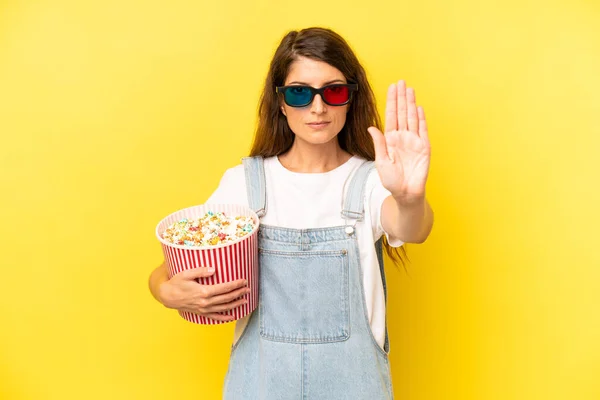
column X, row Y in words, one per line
column 304, row 296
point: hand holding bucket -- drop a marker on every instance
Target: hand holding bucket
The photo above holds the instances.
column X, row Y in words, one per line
column 231, row 261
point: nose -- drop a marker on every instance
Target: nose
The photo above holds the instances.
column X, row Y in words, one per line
column 318, row 105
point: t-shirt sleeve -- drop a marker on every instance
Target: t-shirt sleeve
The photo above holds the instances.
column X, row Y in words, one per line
column 377, row 194
column 231, row 189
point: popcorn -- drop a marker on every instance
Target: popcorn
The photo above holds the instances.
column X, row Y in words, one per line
column 209, row 230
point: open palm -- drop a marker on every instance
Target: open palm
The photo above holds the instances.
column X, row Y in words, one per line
column 402, row 155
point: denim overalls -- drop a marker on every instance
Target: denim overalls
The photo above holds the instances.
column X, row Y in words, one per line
column 309, row 337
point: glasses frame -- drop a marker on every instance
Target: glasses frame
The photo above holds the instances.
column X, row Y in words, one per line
column 352, row 87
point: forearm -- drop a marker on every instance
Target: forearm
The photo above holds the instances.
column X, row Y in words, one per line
column 409, row 223
column 157, row 277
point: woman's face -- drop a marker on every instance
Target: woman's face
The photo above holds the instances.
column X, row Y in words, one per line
column 303, row 120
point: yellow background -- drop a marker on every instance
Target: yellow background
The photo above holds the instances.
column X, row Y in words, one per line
column 116, row 113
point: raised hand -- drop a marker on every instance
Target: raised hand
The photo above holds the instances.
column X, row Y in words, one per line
column 402, row 155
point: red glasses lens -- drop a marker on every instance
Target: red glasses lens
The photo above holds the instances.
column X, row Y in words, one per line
column 336, row 94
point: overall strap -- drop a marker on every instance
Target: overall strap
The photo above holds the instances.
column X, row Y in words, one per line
column 255, row 184
column 353, row 203
column 354, row 209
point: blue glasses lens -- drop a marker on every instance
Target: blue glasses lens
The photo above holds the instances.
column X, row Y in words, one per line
column 298, row 96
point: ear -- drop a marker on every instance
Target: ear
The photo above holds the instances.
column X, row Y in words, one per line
column 281, row 105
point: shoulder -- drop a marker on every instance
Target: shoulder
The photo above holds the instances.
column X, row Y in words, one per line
column 232, row 186
column 372, row 178
column 234, row 174
column 233, row 177
column 270, row 164
column 357, row 160
column 375, row 193
column 351, row 167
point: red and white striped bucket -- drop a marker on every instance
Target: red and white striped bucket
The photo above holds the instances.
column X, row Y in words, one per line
column 231, row 261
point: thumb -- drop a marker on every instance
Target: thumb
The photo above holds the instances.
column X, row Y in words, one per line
column 379, row 142
column 200, row 272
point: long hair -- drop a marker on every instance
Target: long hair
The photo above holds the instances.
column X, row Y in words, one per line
column 273, row 135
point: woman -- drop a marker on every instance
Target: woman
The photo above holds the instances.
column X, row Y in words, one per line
column 319, row 331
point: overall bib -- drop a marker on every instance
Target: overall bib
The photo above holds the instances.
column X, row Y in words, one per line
column 309, row 338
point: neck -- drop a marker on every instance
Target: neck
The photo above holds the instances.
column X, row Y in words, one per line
column 314, row 158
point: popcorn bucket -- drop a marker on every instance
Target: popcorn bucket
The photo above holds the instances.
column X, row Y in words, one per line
column 231, row 261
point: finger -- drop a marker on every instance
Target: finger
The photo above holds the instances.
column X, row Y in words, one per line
column 222, row 288
column 227, row 306
column 194, row 273
column 411, row 111
column 391, row 116
column 219, row 317
column 401, row 107
column 423, row 125
column 379, row 142
column 228, row 297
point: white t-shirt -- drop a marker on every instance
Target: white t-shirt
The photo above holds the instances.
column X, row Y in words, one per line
column 314, row 200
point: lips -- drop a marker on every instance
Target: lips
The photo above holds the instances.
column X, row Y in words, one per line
column 318, row 126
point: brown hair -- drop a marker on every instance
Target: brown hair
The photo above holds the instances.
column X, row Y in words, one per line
column 273, row 135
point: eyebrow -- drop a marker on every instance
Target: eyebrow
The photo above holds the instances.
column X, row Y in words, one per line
column 326, row 83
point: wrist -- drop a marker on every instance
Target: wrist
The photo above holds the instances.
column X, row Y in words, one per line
column 410, row 201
